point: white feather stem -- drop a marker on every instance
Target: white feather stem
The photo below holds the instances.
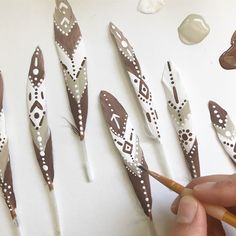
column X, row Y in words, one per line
column 163, row 161
column 55, row 212
column 87, row 164
column 153, row 231
column 17, row 226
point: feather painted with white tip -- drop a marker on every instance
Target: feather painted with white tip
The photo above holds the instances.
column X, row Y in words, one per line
column 179, row 109
column 73, row 59
column 41, row 134
column 224, row 128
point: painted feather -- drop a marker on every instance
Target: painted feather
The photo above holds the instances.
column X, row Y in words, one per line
column 72, row 55
column 224, row 128
column 41, row 134
column 179, row 109
column 5, row 166
column 37, row 110
column 138, row 80
column 127, row 142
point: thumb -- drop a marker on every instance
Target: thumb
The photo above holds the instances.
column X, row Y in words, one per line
column 191, row 218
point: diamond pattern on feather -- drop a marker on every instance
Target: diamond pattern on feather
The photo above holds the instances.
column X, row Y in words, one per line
column 128, row 147
column 143, row 89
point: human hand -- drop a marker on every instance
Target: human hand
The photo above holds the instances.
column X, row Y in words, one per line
column 191, row 216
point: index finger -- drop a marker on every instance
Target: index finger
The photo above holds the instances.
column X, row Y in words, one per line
column 218, row 190
column 210, row 178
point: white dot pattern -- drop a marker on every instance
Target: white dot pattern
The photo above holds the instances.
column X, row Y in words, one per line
column 74, row 64
column 38, row 115
column 139, row 82
column 224, row 128
column 127, row 143
column 179, row 109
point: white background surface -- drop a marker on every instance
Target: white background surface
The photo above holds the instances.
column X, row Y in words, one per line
column 109, row 206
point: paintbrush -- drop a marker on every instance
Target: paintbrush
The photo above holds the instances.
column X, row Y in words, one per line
column 217, row 212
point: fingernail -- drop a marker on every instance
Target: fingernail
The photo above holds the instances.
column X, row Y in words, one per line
column 187, row 210
column 174, row 206
column 204, row 186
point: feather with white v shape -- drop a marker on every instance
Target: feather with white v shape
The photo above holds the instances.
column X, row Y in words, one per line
column 41, row 134
column 179, row 109
column 73, row 59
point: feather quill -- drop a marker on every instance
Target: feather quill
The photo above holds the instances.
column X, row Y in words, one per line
column 73, row 59
column 41, row 134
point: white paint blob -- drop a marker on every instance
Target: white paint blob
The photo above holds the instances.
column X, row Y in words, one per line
column 193, row 29
column 150, row 6
column 35, row 71
column 42, row 153
column 228, row 133
column 124, row 44
column 45, row 167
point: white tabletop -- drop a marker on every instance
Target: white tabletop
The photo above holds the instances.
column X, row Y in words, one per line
column 109, row 206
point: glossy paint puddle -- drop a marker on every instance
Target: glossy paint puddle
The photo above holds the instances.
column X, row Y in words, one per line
column 228, row 58
column 193, row 29
column 150, row 6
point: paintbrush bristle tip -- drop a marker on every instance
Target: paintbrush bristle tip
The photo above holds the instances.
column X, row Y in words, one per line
column 142, row 168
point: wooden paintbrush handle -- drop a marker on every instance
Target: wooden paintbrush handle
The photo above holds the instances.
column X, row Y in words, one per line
column 229, row 218
column 217, row 212
column 221, row 213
